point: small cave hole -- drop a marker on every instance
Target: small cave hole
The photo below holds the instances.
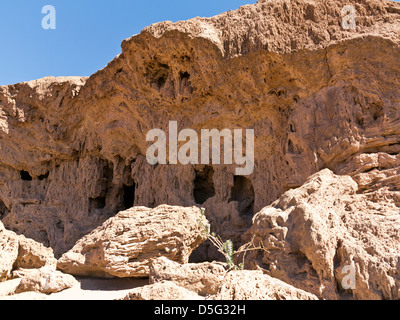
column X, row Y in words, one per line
column 129, row 196
column 184, row 76
column 281, row 93
column 97, row 203
column 3, row 210
column 204, row 185
column 184, row 83
column 291, row 148
column 157, row 73
column 44, row 176
column 161, row 82
column 60, row 225
column 25, row 176
column 243, row 193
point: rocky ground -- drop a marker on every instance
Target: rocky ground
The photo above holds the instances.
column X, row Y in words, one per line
column 85, row 289
column 317, row 219
column 298, row 248
column 144, row 273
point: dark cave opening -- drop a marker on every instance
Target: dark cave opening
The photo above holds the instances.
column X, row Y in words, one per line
column 204, row 185
column 97, row 203
column 184, row 83
column 3, row 210
column 129, row 196
column 157, row 73
column 184, row 77
column 243, row 193
column 161, row 82
column 25, row 176
column 44, row 176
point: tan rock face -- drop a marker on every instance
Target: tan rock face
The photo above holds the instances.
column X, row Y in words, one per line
column 32, row 255
column 330, row 240
column 202, row 278
column 125, row 245
column 254, row 285
column 8, row 252
column 8, row 288
column 44, row 280
column 19, row 252
column 165, row 290
column 318, row 96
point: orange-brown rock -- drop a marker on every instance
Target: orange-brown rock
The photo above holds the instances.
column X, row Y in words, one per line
column 20, row 252
column 164, row 290
column 328, row 239
column 33, row 255
column 44, row 280
column 254, row 285
column 203, row 278
column 318, row 96
column 8, row 252
column 73, row 149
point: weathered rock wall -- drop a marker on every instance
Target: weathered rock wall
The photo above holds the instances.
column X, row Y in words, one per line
column 72, row 150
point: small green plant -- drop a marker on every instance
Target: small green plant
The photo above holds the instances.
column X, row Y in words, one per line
column 226, row 248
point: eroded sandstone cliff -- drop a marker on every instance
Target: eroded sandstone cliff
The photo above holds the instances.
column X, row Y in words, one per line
column 72, row 150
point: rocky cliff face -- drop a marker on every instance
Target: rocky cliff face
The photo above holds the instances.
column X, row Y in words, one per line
column 315, row 234
column 73, row 150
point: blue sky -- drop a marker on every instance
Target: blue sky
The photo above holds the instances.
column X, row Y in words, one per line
column 88, row 33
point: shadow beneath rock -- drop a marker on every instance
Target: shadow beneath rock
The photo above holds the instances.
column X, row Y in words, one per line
column 94, row 284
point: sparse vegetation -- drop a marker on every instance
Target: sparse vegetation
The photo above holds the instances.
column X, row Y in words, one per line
column 226, row 248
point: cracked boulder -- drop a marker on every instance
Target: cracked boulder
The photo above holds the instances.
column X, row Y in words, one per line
column 254, row 285
column 203, row 278
column 329, row 239
column 17, row 251
column 45, row 280
column 165, row 290
column 8, row 252
column 125, row 245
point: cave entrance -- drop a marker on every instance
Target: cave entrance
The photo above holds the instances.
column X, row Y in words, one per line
column 25, row 176
column 129, row 196
column 204, row 185
column 97, row 203
column 3, row 210
column 243, row 193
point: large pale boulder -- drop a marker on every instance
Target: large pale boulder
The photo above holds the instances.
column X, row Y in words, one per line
column 166, row 290
column 8, row 251
column 125, row 245
column 9, row 287
column 254, row 285
column 17, row 251
column 329, row 239
column 45, row 280
column 203, row 278
column 32, row 255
